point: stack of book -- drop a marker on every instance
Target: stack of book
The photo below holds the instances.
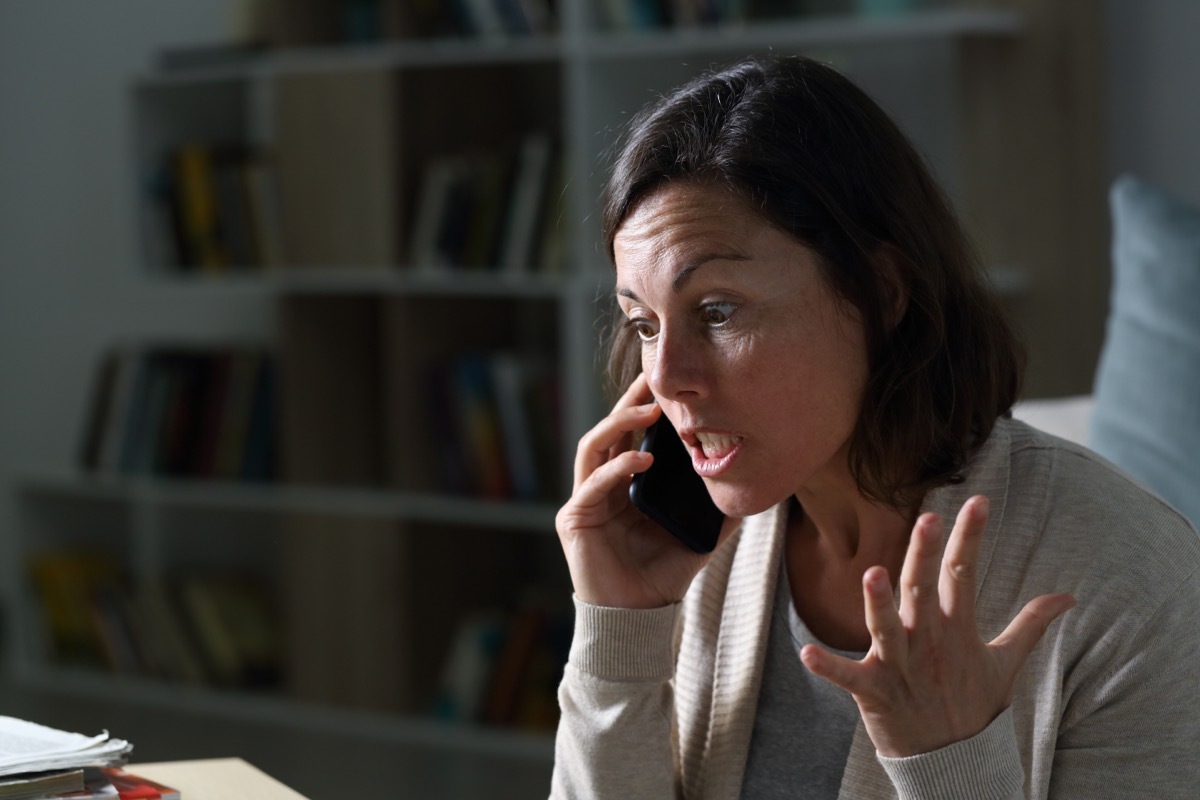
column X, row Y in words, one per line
column 497, row 421
column 503, row 667
column 218, row 203
column 195, row 626
column 495, row 210
column 38, row 763
column 183, row 411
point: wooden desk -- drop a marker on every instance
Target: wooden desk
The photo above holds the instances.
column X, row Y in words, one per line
column 216, row 779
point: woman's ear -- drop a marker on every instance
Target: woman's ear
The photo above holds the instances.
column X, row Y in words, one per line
column 889, row 264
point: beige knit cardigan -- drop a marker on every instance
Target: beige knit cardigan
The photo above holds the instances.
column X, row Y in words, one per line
column 659, row 704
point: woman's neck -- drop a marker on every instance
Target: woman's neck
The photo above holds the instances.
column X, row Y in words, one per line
column 829, row 546
column 850, row 526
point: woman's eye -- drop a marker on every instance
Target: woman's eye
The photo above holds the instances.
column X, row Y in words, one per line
column 716, row 314
column 645, row 330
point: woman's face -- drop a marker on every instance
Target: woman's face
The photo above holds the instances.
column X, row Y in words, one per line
column 754, row 359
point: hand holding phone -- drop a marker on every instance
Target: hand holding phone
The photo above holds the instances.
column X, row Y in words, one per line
column 672, row 494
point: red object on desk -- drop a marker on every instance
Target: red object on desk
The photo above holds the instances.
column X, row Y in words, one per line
column 135, row 787
column 117, row 784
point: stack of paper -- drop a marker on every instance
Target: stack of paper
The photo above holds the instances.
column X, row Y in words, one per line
column 37, row 761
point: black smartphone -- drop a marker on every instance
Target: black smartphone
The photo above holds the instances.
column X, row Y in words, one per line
column 672, row 494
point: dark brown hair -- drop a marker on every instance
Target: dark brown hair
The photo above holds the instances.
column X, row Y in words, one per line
column 816, row 157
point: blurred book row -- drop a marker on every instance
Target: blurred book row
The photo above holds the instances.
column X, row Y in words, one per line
column 223, row 629
column 503, row 668
column 491, row 209
column 220, row 206
column 200, row 627
column 626, row 15
column 497, row 419
column 184, row 412
column 213, row 414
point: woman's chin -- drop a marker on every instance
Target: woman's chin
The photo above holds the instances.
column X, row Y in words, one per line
column 736, row 502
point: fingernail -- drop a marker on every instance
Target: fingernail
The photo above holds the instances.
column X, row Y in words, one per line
column 877, row 580
column 647, row 408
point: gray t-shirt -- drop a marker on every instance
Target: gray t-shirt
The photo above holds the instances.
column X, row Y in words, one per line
column 804, row 724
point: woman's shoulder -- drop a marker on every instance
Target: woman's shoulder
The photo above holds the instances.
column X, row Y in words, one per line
column 1076, row 480
column 1084, row 521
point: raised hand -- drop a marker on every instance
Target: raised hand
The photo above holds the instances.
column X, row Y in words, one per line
column 928, row 679
column 617, row 557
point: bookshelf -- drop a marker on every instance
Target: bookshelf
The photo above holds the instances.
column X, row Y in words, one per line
column 369, row 552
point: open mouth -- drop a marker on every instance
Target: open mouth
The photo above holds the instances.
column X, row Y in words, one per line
column 717, row 445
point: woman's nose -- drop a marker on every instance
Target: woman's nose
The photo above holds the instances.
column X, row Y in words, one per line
column 674, row 367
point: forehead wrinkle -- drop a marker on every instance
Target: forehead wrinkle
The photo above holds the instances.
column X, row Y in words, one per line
column 686, row 271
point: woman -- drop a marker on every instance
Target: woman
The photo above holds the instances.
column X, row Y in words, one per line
column 800, row 302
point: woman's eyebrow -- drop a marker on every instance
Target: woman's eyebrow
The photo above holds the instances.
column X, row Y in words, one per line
column 685, row 272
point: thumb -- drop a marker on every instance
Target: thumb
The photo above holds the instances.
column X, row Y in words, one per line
column 1027, row 628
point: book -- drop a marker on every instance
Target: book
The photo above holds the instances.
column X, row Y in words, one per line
column 525, row 202
column 187, row 374
column 511, row 376
column 194, row 193
column 479, row 425
column 438, row 179
column 65, row 583
column 124, row 652
column 211, row 415
column 261, row 439
column 235, row 625
column 463, row 684
column 523, row 636
column 115, row 418
column 39, row 785
column 100, row 410
column 237, row 413
column 134, row 415
column 177, row 653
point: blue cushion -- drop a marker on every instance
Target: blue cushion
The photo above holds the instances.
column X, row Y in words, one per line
column 1147, row 390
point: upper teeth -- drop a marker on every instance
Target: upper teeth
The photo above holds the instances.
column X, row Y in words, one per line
column 716, row 443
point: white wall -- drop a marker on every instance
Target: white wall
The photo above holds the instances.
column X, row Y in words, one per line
column 1154, row 75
